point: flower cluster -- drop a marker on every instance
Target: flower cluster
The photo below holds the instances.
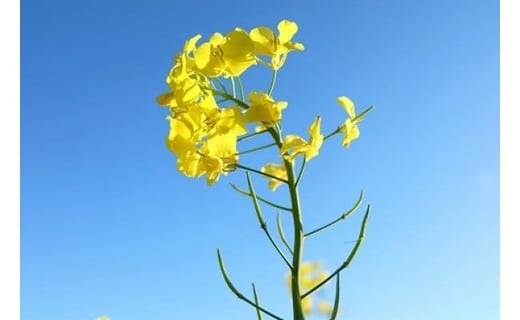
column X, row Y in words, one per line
column 203, row 135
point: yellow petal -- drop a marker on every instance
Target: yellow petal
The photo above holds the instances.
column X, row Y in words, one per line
column 348, row 105
column 165, row 99
column 189, row 45
column 350, row 132
column 292, row 146
column 276, row 170
column 264, row 109
column 287, row 29
column 191, row 165
column 315, row 141
column 263, row 38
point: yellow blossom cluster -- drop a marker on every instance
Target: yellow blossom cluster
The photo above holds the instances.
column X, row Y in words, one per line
column 204, row 135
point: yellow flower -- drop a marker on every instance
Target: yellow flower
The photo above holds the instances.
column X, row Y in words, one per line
column 267, row 43
column 264, row 109
column 216, row 156
column 294, row 145
column 311, row 274
column 191, row 165
column 177, row 79
column 307, row 305
column 229, row 119
column 276, row 170
column 219, row 155
column 324, row 307
column 184, row 133
column 228, row 56
column 184, row 93
column 349, row 128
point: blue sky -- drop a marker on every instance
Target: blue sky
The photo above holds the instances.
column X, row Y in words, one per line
column 108, row 225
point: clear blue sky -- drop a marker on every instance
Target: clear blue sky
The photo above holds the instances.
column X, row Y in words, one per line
column 108, row 225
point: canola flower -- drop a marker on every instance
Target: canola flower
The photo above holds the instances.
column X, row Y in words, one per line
column 210, row 113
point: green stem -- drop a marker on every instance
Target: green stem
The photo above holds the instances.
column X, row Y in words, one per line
column 221, row 84
column 351, row 256
column 334, row 313
column 255, row 295
column 230, row 97
column 272, row 204
column 332, row 133
column 257, row 148
column 238, row 293
column 343, row 216
column 261, row 221
column 297, row 242
column 273, row 81
column 360, row 116
column 247, row 136
column 240, row 88
column 261, row 173
column 233, row 90
column 301, row 171
column 281, row 233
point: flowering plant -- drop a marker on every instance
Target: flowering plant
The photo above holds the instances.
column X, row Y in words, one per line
column 208, row 121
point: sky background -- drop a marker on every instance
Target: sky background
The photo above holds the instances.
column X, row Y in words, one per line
column 108, row 225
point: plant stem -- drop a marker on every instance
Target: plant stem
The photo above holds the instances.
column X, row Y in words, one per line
column 273, row 81
column 261, row 173
column 238, row 293
column 281, row 233
column 261, row 221
column 342, row 217
column 233, row 90
column 232, row 98
column 272, row 204
column 240, row 88
column 247, row 136
column 350, row 257
column 297, row 242
column 257, row 148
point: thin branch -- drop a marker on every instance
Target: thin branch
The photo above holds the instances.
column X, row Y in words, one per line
column 233, row 90
column 262, row 222
column 261, row 173
column 257, row 148
column 338, row 129
column 281, row 233
column 351, row 256
column 240, row 88
column 221, row 84
column 272, row 204
column 343, row 216
column 273, row 81
column 255, row 295
column 334, row 313
column 230, row 97
column 362, row 114
column 238, row 293
column 301, row 171
column 247, row 136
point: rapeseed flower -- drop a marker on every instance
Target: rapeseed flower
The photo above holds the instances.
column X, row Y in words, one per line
column 349, row 129
column 294, row 145
column 266, row 42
